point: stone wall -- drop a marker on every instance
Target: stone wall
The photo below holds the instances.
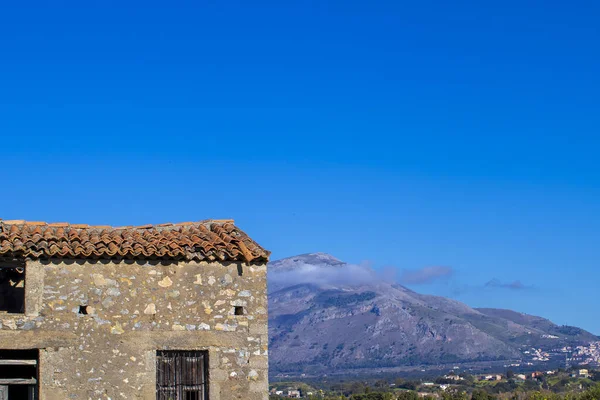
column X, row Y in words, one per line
column 134, row 309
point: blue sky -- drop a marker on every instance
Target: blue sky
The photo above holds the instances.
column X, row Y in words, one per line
column 457, row 135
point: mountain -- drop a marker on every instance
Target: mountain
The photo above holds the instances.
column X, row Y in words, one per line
column 317, row 259
column 321, row 319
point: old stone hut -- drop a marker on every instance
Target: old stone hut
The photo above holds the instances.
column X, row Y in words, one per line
column 171, row 311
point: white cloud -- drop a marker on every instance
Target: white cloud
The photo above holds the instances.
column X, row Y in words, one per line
column 425, row 275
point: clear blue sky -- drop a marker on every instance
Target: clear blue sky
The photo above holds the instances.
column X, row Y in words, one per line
column 410, row 134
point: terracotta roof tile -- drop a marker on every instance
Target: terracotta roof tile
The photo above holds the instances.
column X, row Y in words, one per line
column 200, row 241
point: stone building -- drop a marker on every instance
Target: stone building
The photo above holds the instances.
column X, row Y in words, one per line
column 171, row 311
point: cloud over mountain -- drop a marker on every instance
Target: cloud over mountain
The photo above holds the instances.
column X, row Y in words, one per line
column 323, row 269
column 425, row 275
column 515, row 285
column 350, row 274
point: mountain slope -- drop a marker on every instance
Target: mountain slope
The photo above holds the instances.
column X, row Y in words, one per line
column 316, row 324
column 540, row 325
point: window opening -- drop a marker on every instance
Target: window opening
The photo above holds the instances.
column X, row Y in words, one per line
column 182, row 375
column 19, row 374
column 12, row 289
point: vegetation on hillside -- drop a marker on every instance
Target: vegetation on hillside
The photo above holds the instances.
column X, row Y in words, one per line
column 559, row 385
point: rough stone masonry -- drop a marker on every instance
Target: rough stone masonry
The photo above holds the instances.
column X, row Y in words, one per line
column 100, row 302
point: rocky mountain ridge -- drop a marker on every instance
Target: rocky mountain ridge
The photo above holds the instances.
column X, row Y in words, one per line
column 318, row 324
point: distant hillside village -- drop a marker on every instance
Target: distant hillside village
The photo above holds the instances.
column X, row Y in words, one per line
column 586, row 354
column 571, row 355
column 579, row 382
